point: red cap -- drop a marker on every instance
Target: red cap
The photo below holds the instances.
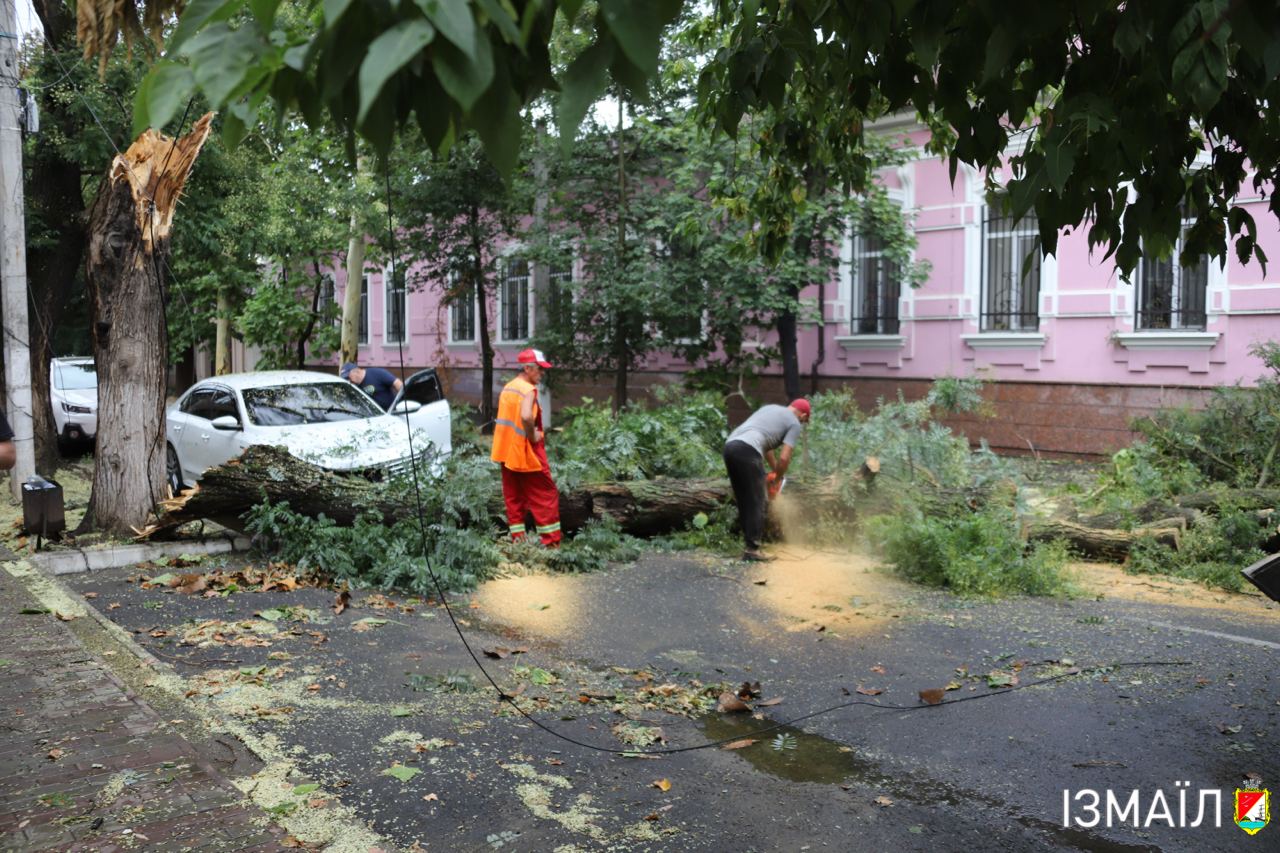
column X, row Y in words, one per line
column 535, row 356
column 801, row 405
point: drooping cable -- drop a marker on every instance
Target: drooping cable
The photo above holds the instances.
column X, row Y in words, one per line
column 511, row 700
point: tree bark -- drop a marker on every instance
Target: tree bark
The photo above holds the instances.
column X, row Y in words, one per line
column 1102, row 543
column 129, row 232
column 53, row 194
column 222, row 337
column 349, row 345
column 487, row 412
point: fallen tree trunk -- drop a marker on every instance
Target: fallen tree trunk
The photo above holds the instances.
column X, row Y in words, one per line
column 1101, row 543
column 641, row 507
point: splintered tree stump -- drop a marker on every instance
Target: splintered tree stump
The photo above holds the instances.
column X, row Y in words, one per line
column 129, row 230
column 641, row 507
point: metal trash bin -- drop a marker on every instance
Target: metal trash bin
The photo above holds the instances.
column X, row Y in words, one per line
column 43, row 511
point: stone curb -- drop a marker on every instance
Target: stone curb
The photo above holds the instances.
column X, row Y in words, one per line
column 113, row 557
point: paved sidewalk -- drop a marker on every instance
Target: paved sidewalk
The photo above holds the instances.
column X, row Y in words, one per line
column 84, row 765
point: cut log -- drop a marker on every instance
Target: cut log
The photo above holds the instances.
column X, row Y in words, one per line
column 641, row 507
column 1100, row 543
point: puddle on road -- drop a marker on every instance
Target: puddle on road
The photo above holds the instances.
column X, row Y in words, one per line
column 814, row 759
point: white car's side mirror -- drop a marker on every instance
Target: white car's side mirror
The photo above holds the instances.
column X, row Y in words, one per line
column 225, row 422
column 405, row 407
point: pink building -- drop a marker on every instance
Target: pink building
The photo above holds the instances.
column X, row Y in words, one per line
column 1074, row 353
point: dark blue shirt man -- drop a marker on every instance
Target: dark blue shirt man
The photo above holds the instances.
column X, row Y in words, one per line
column 380, row 384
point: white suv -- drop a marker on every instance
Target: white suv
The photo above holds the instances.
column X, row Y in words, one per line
column 74, row 394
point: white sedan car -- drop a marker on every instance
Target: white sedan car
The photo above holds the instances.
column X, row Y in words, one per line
column 315, row 416
column 73, row 392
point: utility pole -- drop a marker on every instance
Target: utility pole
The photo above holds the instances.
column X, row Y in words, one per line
column 13, row 256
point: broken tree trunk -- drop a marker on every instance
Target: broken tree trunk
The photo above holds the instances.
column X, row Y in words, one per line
column 1100, row 543
column 641, row 508
column 129, row 229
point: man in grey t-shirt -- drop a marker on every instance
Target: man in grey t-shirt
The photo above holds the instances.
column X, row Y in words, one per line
column 752, row 444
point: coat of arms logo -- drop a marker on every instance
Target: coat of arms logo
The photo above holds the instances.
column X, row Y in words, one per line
column 1253, row 807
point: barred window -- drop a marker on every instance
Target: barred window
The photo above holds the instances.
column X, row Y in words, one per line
column 877, row 285
column 395, row 305
column 1010, row 273
column 513, row 302
column 462, row 314
column 327, row 303
column 1171, row 296
column 364, row 310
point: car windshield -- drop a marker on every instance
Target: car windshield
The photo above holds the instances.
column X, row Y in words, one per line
column 75, row 377
column 313, row 403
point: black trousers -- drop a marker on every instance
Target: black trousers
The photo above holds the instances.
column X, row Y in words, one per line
column 746, row 474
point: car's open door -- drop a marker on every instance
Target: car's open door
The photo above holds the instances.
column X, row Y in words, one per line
column 433, row 416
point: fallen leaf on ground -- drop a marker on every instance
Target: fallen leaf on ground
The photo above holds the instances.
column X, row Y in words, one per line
column 652, row 816
column 883, row 801
column 191, row 584
column 90, row 595
column 749, row 690
column 760, row 583
column 368, row 623
column 878, row 669
column 63, row 617
column 55, row 754
column 662, row 784
column 113, row 606
column 731, row 704
column 341, row 601
column 1229, row 730
column 953, row 685
column 869, row 691
column 399, row 771
column 497, row 652
column 740, row 744
column 431, row 798
column 159, row 633
column 996, row 678
column 933, row 696
column 777, row 700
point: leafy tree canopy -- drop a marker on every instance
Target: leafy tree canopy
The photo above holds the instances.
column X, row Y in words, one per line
column 1174, row 100
column 375, row 67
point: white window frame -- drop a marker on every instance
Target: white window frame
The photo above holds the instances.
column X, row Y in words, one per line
column 506, row 261
column 388, row 288
column 454, row 306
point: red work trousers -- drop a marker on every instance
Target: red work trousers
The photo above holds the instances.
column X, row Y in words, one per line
column 532, row 493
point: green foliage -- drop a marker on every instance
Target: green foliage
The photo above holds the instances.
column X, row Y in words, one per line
column 911, row 445
column 682, row 436
column 805, row 79
column 1233, row 439
column 377, row 68
column 1213, row 551
column 979, row 554
column 458, row 545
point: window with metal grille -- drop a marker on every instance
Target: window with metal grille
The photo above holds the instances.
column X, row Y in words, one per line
column 1171, row 296
column 1010, row 273
column 364, row 310
column 877, row 285
column 393, row 281
column 560, row 290
column 462, row 314
column 327, row 303
column 513, row 301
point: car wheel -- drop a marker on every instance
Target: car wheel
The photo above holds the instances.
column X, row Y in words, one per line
column 173, row 470
column 64, row 446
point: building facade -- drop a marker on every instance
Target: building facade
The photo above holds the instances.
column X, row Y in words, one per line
column 1073, row 351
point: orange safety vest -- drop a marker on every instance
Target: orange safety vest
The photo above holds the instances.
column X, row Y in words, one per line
column 511, row 447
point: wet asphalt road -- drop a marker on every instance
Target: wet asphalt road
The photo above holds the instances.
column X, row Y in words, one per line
column 986, row 774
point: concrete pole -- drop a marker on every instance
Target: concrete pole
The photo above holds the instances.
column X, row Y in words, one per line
column 13, row 256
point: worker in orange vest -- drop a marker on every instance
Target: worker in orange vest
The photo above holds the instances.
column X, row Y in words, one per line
column 519, row 446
